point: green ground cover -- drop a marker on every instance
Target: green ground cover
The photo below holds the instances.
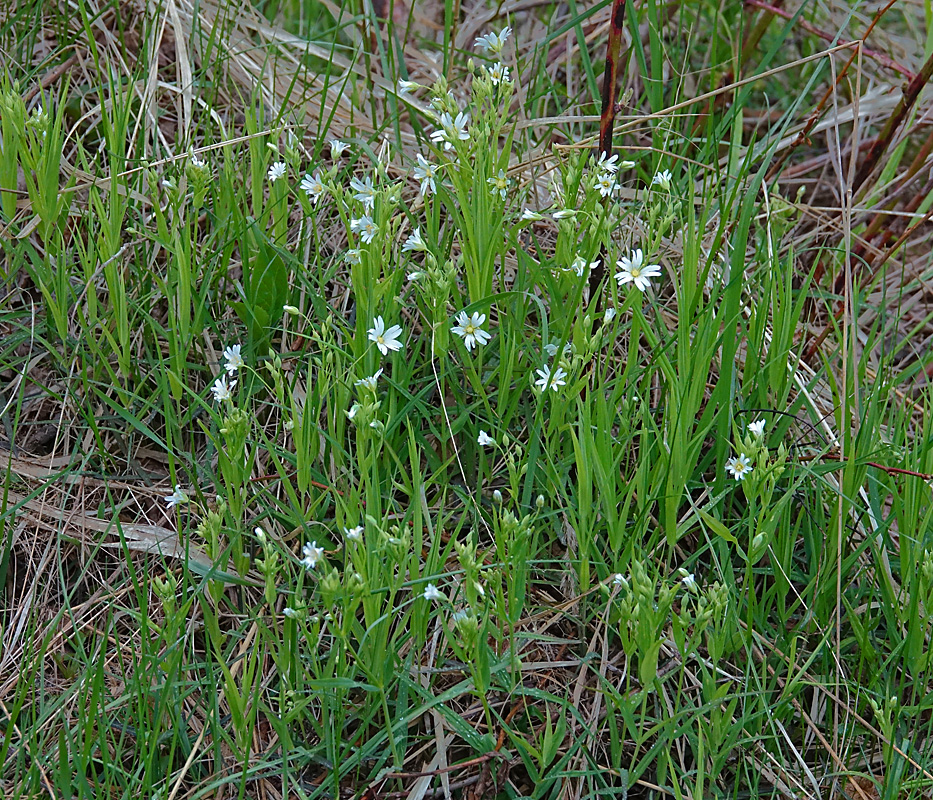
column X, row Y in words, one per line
column 366, row 433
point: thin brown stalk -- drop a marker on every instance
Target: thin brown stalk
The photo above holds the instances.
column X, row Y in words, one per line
column 607, row 117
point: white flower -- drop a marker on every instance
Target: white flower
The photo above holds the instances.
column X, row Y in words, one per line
column 618, row 579
column 531, row 216
column 414, row 242
column 354, row 534
column 609, row 164
column 499, row 184
column 234, row 359
column 498, row 73
column 337, row 148
column 739, row 466
column 689, row 581
column 365, row 227
column 663, row 179
column 415, row 276
column 407, row 87
column 276, row 171
column 385, row 340
column 470, row 328
column 579, row 265
column 484, row 439
column 565, row 213
column 547, row 379
column 370, row 382
column 451, row 130
column 757, row 429
column 609, row 315
column 222, row 390
column 312, row 554
column 626, row 164
column 290, row 612
column 551, row 349
column 606, row 184
column 196, row 162
column 633, row 270
column 425, row 172
column 354, row 410
column 176, row 498
column 352, row 256
column 493, row 42
column 365, row 192
column 432, row 593
column 312, row 186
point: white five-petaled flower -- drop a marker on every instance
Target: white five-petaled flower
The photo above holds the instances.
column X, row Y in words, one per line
column 365, row 192
column 499, row 184
column 609, row 315
column 548, row 379
column 689, row 581
column 739, row 466
column 313, row 186
column 757, row 428
column 451, row 130
column 407, row 87
column 498, row 73
column 369, row 382
column 470, row 328
column 493, row 42
column 425, row 172
column 414, row 242
column 663, row 179
column 276, row 171
column 312, row 554
column 176, row 498
column 432, row 593
column 196, row 162
column 606, row 184
column 352, row 256
column 233, row 358
column 531, row 216
column 365, row 227
column 579, row 265
column 484, row 439
column 634, row 270
column 354, row 410
column 337, row 148
column 222, row 390
column 609, row 164
column 385, row 339
column 354, row 534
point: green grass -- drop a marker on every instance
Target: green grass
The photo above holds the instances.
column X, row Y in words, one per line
column 456, row 580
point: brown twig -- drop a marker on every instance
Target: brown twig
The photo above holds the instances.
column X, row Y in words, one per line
column 451, row 768
column 608, row 115
column 50, row 77
column 804, row 134
column 911, row 93
column 927, row 476
column 881, row 58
